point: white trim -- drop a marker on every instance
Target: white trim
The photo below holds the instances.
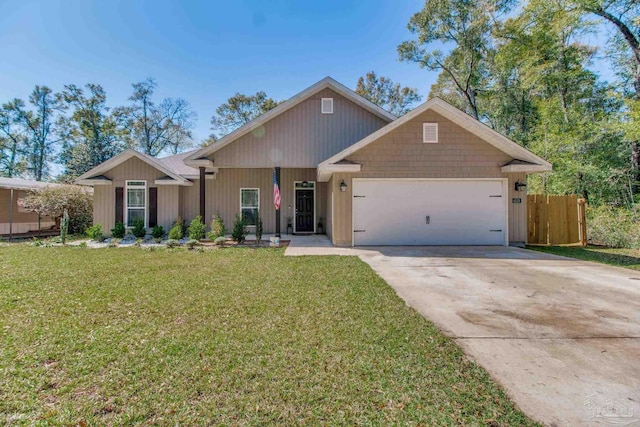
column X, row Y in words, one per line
column 295, row 210
column 523, row 168
column 249, row 188
column 93, row 181
column 330, row 110
column 123, row 157
column 126, row 201
column 505, row 195
column 325, row 83
column 458, row 117
column 424, row 128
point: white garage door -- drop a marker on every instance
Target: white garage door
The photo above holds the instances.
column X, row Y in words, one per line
column 429, row 212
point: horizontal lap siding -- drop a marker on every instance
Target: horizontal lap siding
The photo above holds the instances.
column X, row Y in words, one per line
column 402, row 154
column 302, row 136
column 223, row 195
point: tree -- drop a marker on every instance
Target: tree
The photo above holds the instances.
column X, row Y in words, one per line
column 40, row 127
column 239, row 110
column 623, row 15
column 464, row 25
column 387, row 94
column 156, row 128
column 90, row 134
column 13, row 141
column 53, row 201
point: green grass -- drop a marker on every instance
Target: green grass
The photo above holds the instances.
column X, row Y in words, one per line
column 629, row 258
column 225, row 337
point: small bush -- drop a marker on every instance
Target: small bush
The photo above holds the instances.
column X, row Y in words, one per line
column 172, row 243
column 197, row 229
column 138, row 229
column 239, row 232
column 118, row 231
column 157, row 232
column 82, row 245
column 258, row 228
column 217, row 228
column 192, row 243
column 114, row 243
column 157, row 239
column 616, row 227
column 219, row 241
column 95, row 233
column 137, row 243
column 177, row 230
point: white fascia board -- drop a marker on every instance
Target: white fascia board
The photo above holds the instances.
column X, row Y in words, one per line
column 94, row 181
column 326, row 171
column 526, row 168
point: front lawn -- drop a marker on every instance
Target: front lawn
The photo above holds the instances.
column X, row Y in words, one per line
column 225, row 337
column 629, row 258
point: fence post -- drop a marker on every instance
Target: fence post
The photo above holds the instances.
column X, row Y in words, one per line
column 582, row 221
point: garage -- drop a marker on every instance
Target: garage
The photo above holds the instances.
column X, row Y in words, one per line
column 429, row 212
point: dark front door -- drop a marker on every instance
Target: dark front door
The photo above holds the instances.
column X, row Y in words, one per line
column 304, row 211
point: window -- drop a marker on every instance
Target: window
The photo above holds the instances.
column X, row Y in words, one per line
column 136, row 202
column 327, row 105
column 249, row 204
column 430, row 133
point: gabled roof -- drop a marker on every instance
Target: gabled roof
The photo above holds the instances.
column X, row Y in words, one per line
column 326, row 83
column 176, row 163
column 532, row 162
column 91, row 177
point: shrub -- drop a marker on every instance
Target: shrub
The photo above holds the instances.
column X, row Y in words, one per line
column 118, row 231
column 192, row 243
column 239, row 232
column 138, row 229
column 197, row 229
column 95, row 233
column 177, row 231
column 258, row 228
column 114, row 243
column 82, row 245
column 217, row 227
column 157, row 232
column 219, row 241
column 614, row 226
column 172, row 243
column 52, row 202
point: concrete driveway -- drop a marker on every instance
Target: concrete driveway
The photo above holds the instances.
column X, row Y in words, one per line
column 561, row 335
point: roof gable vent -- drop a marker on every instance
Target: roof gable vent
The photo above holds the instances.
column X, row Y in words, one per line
column 327, row 106
column 430, row 133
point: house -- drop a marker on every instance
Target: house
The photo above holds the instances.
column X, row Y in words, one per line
column 14, row 219
column 435, row 176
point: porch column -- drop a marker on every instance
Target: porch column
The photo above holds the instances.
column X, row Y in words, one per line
column 202, row 195
column 278, row 210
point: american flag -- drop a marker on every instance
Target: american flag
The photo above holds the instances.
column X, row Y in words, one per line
column 276, row 191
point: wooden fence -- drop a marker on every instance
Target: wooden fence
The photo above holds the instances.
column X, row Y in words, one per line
column 556, row 220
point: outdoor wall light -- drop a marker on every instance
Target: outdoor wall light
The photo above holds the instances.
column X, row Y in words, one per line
column 520, row 186
column 343, row 186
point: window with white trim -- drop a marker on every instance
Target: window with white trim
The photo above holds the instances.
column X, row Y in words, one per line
column 250, row 204
column 327, row 105
column 136, row 202
column 430, row 133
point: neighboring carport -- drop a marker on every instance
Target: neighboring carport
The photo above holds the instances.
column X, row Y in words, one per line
column 561, row 335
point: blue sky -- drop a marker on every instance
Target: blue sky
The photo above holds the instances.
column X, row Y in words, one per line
column 202, row 51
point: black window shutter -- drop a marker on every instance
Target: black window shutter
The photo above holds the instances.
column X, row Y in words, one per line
column 119, row 204
column 153, row 206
